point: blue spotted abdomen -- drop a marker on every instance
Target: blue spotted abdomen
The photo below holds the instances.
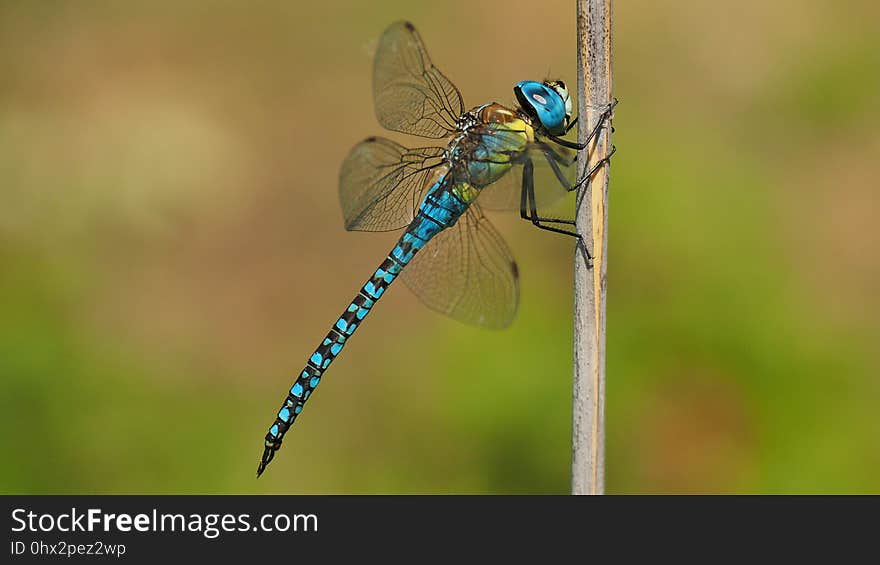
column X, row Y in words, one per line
column 439, row 210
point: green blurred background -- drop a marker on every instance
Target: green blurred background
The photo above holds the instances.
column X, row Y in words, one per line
column 171, row 250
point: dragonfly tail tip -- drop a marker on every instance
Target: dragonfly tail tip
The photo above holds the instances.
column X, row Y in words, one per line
column 268, row 454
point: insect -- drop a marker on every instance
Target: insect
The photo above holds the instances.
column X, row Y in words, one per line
column 438, row 194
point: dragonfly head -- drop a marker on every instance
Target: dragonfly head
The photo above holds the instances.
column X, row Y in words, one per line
column 548, row 102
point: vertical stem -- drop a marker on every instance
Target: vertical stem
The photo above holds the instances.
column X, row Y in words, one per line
column 594, row 95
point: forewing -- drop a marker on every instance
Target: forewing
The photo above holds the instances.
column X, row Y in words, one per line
column 411, row 94
column 381, row 183
column 467, row 272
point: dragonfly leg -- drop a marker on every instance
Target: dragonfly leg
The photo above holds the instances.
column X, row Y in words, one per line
column 554, row 159
column 574, row 122
column 589, row 174
column 528, row 210
column 599, row 125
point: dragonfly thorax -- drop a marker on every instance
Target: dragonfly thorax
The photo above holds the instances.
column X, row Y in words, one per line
column 487, row 144
column 468, row 119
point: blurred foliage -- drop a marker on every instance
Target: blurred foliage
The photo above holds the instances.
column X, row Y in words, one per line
column 171, row 250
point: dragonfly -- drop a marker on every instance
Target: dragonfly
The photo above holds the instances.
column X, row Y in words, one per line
column 449, row 255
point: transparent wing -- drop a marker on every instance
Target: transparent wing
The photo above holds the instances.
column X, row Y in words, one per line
column 382, row 183
column 505, row 193
column 411, row 94
column 468, row 273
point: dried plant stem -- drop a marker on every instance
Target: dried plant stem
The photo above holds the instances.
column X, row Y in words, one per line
column 594, row 95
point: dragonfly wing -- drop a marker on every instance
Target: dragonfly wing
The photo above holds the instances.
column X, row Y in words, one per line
column 467, row 272
column 505, row 193
column 411, row 94
column 382, row 183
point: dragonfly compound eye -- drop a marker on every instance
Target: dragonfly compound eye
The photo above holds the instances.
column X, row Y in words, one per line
column 544, row 103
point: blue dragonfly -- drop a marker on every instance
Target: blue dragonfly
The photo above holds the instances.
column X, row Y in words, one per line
column 438, row 194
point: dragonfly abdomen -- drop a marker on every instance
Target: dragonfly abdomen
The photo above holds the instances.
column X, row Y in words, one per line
column 439, row 210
